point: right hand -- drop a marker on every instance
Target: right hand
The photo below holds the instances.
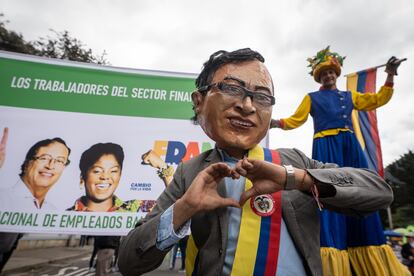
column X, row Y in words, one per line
column 266, row 177
column 392, row 65
column 275, row 123
column 202, row 194
column 3, row 144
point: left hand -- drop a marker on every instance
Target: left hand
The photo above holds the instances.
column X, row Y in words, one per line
column 202, row 195
column 266, row 177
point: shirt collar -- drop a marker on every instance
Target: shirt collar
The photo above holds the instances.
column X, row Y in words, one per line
column 226, row 157
column 21, row 189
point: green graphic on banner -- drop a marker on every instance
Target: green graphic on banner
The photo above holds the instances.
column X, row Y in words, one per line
column 125, row 128
column 62, row 87
column 69, row 222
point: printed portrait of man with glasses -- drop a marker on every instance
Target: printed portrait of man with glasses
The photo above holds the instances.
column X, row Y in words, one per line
column 43, row 166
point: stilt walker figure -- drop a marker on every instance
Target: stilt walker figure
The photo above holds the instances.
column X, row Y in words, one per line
column 345, row 241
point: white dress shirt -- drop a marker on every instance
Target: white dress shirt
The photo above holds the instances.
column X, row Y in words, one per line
column 19, row 198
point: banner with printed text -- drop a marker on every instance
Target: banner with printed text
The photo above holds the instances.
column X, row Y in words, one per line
column 87, row 149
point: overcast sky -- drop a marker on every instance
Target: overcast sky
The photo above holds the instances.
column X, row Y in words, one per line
column 180, row 35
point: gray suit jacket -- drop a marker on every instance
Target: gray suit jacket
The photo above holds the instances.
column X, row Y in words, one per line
column 355, row 191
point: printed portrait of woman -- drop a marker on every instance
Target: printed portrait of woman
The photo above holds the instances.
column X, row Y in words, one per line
column 100, row 173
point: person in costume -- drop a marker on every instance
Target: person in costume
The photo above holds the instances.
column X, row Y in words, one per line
column 214, row 194
column 344, row 239
column 101, row 169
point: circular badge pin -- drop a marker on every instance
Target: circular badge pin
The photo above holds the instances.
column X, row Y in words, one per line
column 263, row 205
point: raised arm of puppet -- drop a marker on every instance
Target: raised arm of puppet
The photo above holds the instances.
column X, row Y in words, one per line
column 370, row 101
column 346, row 190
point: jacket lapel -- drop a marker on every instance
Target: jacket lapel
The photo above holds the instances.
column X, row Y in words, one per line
column 291, row 220
column 221, row 213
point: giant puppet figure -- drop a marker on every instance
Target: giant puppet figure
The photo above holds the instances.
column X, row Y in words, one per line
column 250, row 209
column 345, row 240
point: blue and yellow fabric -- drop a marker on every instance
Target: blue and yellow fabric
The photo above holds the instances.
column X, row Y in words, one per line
column 346, row 240
column 259, row 237
column 367, row 248
column 333, row 112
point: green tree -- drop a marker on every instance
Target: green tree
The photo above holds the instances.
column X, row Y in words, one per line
column 61, row 45
column 400, row 174
column 14, row 42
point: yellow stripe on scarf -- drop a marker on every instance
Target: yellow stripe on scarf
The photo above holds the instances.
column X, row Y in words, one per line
column 248, row 241
column 191, row 255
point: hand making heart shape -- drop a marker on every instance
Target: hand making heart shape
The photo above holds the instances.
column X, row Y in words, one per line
column 202, row 194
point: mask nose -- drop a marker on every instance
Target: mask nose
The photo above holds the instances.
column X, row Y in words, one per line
column 246, row 106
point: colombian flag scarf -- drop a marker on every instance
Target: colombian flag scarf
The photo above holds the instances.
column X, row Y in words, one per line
column 259, row 237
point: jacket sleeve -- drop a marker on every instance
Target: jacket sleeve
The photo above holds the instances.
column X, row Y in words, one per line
column 138, row 252
column 299, row 117
column 370, row 101
column 348, row 190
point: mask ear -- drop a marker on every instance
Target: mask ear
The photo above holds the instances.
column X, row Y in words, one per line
column 197, row 99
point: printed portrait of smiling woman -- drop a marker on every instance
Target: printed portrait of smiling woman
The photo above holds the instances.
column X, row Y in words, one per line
column 101, row 170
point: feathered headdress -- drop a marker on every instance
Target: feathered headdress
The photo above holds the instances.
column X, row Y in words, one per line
column 324, row 59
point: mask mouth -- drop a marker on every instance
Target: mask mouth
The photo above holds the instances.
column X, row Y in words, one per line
column 241, row 123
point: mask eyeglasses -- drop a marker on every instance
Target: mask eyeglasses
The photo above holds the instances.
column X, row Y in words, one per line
column 241, row 92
